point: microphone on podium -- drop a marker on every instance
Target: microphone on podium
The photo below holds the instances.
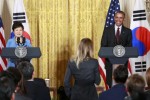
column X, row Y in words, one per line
column 21, row 41
column 18, row 40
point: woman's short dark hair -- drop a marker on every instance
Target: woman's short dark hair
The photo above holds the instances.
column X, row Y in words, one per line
column 16, row 25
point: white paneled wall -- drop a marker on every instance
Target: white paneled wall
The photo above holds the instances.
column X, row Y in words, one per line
column 1, row 6
column 6, row 9
column 6, row 4
column 127, row 7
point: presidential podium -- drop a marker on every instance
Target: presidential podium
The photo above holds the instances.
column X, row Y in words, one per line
column 110, row 53
column 107, row 52
column 32, row 52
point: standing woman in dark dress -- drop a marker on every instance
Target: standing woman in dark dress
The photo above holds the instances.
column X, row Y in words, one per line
column 84, row 70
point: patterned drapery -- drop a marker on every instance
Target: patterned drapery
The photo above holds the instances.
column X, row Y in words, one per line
column 57, row 26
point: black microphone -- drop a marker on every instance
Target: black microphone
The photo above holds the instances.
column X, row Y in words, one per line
column 23, row 40
column 18, row 40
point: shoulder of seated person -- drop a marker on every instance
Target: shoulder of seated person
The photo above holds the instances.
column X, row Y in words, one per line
column 127, row 98
column 38, row 79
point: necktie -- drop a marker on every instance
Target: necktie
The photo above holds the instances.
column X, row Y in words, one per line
column 118, row 35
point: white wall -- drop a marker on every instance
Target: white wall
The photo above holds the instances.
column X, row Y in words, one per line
column 6, row 9
column 127, row 6
column 6, row 4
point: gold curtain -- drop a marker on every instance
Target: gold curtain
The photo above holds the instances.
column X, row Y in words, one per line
column 57, row 26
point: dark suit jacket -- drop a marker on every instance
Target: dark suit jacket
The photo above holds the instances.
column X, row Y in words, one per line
column 85, row 77
column 147, row 92
column 19, row 96
column 109, row 38
column 117, row 92
column 37, row 90
column 40, row 81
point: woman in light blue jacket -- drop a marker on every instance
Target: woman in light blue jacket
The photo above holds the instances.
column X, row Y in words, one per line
column 17, row 40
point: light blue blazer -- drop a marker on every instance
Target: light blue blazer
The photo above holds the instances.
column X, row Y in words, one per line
column 12, row 43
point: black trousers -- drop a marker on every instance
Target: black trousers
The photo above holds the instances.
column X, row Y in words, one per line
column 108, row 67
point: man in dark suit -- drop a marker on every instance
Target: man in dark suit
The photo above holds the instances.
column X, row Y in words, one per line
column 36, row 88
column 118, row 91
column 115, row 35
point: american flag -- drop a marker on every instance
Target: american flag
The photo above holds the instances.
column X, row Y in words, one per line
column 114, row 7
column 3, row 61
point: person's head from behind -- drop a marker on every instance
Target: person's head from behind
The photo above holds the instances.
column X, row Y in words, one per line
column 17, row 78
column 85, row 50
column 7, row 86
column 26, row 69
column 18, row 29
column 119, row 18
column 120, row 74
column 135, row 86
column 148, row 77
column 16, row 74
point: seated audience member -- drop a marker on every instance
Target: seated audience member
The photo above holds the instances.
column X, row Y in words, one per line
column 118, row 91
column 84, row 69
column 135, row 87
column 20, row 91
column 7, row 87
column 40, row 81
column 148, row 80
column 36, row 90
column 61, row 93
